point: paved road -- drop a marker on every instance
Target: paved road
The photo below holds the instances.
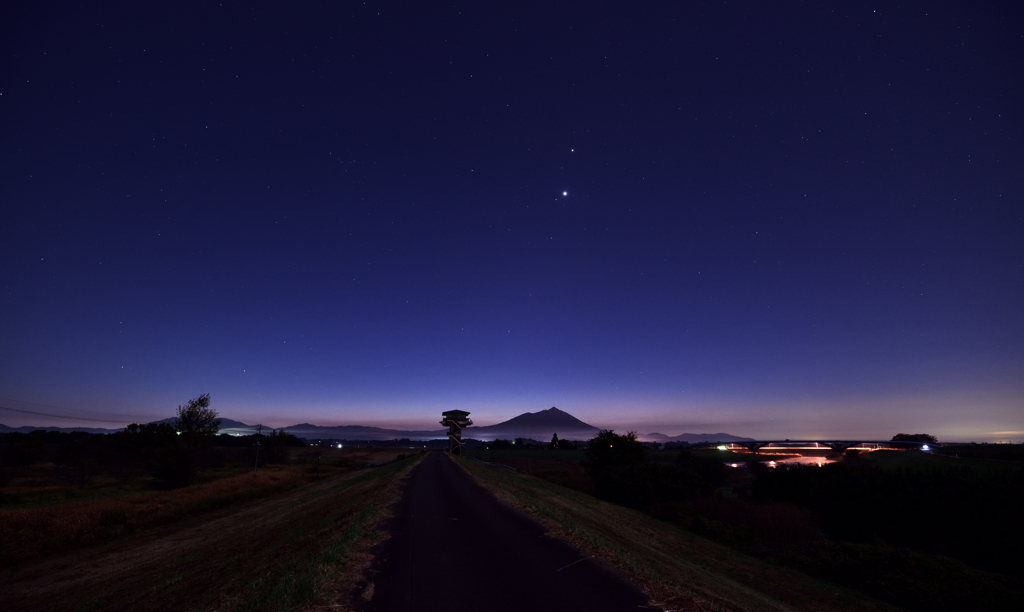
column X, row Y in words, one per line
column 453, row 546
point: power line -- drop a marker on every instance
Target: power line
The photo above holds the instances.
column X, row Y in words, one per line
column 127, row 417
column 58, row 416
column 117, row 417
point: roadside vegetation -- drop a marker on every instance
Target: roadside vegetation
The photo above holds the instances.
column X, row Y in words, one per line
column 999, row 452
column 283, row 538
column 679, row 570
column 916, row 530
column 175, row 517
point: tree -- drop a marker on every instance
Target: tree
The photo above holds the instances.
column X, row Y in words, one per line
column 197, row 419
column 159, row 448
column 554, row 440
column 712, row 471
column 609, row 451
column 178, row 460
column 83, row 457
column 624, row 474
column 927, row 439
column 277, row 444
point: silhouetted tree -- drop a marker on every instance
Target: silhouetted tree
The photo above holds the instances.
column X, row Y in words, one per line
column 276, row 446
column 927, row 439
column 554, row 440
column 623, row 473
column 713, row 471
column 608, row 450
column 30, row 450
column 567, row 445
column 84, row 457
column 196, row 420
column 161, row 450
column 618, row 465
column 173, row 454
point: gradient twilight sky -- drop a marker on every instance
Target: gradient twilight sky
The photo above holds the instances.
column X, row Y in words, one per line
column 766, row 218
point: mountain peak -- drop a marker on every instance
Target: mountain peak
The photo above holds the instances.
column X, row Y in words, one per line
column 542, row 423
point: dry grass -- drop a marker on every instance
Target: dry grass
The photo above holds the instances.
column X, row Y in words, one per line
column 31, row 533
column 301, row 550
column 570, row 474
column 678, row 570
column 53, row 527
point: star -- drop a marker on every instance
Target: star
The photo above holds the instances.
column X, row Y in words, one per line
column 565, row 193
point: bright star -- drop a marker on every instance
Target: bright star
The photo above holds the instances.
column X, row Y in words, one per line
column 565, row 193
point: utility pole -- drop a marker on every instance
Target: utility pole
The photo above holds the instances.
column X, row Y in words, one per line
column 256, row 462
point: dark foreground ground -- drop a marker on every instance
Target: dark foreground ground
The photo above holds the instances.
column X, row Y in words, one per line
column 454, row 546
column 271, row 550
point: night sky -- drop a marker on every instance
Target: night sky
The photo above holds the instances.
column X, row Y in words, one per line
column 782, row 219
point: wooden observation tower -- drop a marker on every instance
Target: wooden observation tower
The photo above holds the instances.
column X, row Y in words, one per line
column 456, row 420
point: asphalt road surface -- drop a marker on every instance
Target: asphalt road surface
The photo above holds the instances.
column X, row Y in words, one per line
column 453, row 546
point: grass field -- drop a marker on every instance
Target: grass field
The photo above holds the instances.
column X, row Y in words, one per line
column 757, row 536
column 663, row 456
column 530, row 454
column 999, row 452
column 918, row 459
column 567, row 467
column 680, row 570
column 38, row 520
column 298, row 546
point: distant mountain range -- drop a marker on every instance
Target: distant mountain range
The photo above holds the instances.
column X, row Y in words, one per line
column 691, row 438
column 537, row 425
column 30, row 429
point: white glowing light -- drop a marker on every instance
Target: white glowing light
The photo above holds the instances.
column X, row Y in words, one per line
column 925, row 447
column 565, row 193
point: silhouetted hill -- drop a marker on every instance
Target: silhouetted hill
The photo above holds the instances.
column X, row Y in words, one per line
column 226, row 426
column 692, row 438
column 31, row 428
column 360, row 432
column 540, row 425
column 537, row 425
column 224, row 423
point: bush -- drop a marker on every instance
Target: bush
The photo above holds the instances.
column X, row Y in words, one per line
column 764, row 527
column 176, row 467
column 968, row 514
column 623, row 473
column 926, row 438
column 712, row 471
column 82, row 459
